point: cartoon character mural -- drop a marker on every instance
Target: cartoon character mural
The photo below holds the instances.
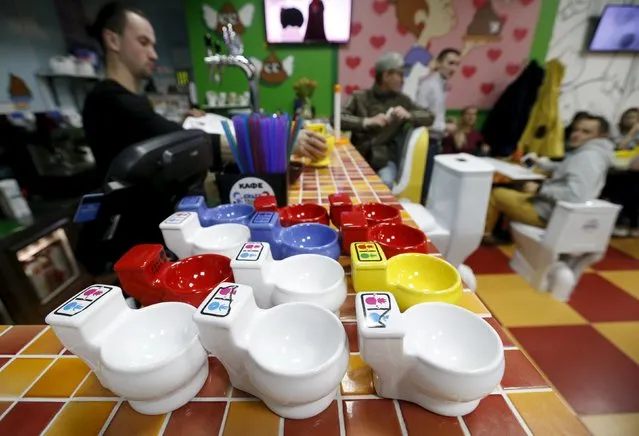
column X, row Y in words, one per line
column 19, row 92
column 228, row 14
column 274, row 71
column 315, row 26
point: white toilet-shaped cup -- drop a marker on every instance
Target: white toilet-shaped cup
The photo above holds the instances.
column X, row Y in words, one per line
column 152, row 357
column 309, row 278
column 437, row 355
column 185, row 237
column 292, row 356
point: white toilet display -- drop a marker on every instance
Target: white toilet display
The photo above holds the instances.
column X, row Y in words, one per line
column 292, row 356
column 185, row 237
column 310, row 278
column 455, row 215
column 437, row 355
column 157, row 365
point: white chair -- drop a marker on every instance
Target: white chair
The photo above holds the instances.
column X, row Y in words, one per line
column 455, row 215
column 553, row 259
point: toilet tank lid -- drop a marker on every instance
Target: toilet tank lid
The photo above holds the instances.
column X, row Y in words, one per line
column 464, row 163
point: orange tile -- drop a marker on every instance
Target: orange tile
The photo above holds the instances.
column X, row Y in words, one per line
column 625, row 335
column 217, row 383
column 347, row 311
column 371, row 418
column 129, row 422
column 85, row 417
column 545, row 413
column 470, row 301
column 251, row 418
column 15, row 339
column 4, row 405
column 19, row 374
column 358, row 379
column 29, row 418
column 324, row 424
column 503, row 334
column 3, row 328
column 47, row 343
column 520, row 372
column 196, row 419
column 421, row 422
column 61, row 379
column 493, row 416
column 93, row 388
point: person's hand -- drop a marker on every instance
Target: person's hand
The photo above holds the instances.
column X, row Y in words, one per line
column 378, row 120
column 451, row 128
column 310, row 144
column 634, row 129
column 530, row 187
column 485, row 149
column 197, row 113
column 401, row 113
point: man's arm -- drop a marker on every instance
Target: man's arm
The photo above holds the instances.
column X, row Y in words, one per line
column 351, row 120
column 419, row 116
column 579, row 183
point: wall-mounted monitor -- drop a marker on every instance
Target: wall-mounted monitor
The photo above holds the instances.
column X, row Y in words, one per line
column 308, row 21
column 617, row 30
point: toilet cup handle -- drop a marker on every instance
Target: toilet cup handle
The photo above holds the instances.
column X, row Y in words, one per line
column 378, row 315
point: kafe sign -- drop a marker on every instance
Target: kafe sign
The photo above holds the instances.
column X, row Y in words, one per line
column 245, row 190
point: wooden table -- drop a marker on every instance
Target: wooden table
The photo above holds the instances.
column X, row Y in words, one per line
column 45, row 388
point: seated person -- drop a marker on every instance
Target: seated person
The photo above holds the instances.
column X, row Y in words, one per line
column 116, row 115
column 568, row 129
column 462, row 136
column 579, row 177
column 628, row 137
column 376, row 117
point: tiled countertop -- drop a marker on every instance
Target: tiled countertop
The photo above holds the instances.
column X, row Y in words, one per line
column 45, row 389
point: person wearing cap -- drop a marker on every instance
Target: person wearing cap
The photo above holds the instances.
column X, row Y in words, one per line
column 377, row 116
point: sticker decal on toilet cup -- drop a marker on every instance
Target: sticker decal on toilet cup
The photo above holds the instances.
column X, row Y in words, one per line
column 367, row 252
column 177, row 218
column 83, row 300
column 219, row 304
column 251, row 252
column 263, row 218
column 377, row 306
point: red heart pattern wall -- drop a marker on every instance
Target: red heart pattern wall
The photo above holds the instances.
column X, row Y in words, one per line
column 487, row 65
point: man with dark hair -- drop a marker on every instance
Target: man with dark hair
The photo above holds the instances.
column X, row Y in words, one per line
column 377, row 115
column 116, row 115
column 578, row 178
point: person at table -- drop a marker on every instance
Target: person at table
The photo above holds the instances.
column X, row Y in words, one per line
column 116, row 115
column 462, row 137
column 377, row 117
column 628, row 137
column 579, row 177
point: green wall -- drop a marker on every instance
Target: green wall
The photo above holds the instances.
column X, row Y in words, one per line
column 318, row 63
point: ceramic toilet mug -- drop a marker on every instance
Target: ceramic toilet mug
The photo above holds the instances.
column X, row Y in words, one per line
column 225, row 213
column 293, row 213
column 374, row 213
column 148, row 276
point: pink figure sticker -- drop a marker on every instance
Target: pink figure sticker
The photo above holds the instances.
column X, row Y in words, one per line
column 370, row 300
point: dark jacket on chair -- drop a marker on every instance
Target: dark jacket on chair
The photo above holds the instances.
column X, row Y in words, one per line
column 507, row 119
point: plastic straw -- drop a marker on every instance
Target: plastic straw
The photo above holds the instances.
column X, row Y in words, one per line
column 232, row 144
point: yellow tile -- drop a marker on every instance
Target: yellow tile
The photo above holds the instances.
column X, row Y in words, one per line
column 251, row 418
column 86, row 417
column 3, row 328
column 625, row 335
column 61, row 379
column 129, row 422
column 546, row 414
column 630, row 246
column 47, row 343
column 516, row 304
column 472, row 302
column 19, row 374
column 358, row 379
column 623, row 424
column 93, row 388
column 626, row 280
column 508, row 250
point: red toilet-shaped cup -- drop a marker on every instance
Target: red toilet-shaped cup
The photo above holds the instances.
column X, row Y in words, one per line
column 354, row 228
column 377, row 213
column 340, row 203
column 190, row 280
column 303, row 213
column 146, row 275
column 398, row 239
column 265, row 203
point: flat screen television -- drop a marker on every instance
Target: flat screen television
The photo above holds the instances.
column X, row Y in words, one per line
column 617, row 30
column 308, row 21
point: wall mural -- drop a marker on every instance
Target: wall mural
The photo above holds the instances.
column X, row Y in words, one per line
column 606, row 84
column 272, row 70
column 228, row 14
column 494, row 37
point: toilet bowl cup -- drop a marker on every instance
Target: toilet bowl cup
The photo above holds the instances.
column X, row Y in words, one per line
column 450, row 357
column 292, row 356
column 158, row 366
column 223, row 214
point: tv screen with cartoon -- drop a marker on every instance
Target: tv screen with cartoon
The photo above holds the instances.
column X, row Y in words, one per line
column 308, row 21
column 618, row 30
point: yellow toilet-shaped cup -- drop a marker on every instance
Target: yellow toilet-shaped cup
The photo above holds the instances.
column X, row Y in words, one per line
column 413, row 278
